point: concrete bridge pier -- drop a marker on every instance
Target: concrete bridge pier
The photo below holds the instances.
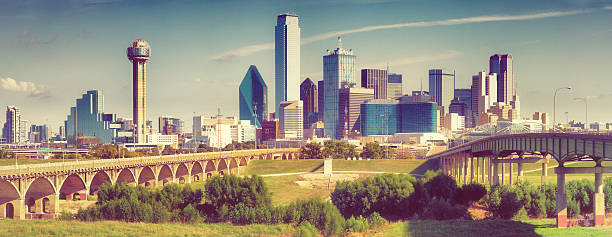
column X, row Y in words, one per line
column 510, row 173
column 495, row 177
column 599, row 204
column 502, row 173
column 544, row 178
column 561, row 197
column 472, row 169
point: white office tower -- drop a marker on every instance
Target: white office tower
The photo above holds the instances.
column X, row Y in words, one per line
column 287, row 59
column 291, row 119
column 484, row 93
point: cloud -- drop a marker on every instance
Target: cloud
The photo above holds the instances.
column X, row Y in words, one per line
column 607, row 8
column 28, row 39
column 250, row 49
column 10, row 84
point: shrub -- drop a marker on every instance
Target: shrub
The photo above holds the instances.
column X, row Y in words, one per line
column 305, row 229
column 608, row 193
column 190, row 215
column 323, row 215
column 579, row 193
column 441, row 209
column 440, row 186
column 356, row 225
column 231, row 190
column 375, row 220
column 387, row 194
column 66, row 216
column 504, row 201
column 469, row 193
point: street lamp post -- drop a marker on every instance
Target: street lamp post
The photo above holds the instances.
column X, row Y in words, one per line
column 555, row 104
column 586, row 112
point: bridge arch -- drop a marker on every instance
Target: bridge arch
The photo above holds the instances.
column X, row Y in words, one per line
column 182, row 174
column 100, row 178
column 125, row 175
column 72, row 186
column 146, row 177
column 210, row 168
column 233, row 166
column 165, row 175
column 40, row 198
column 222, row 167
column 284, row 156
column 197, row 173
column 244, row 161
column 9, row 198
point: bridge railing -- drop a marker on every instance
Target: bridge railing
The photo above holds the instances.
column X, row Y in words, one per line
column 136, row 161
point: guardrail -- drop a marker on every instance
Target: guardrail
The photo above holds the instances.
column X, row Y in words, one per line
column 136, row 161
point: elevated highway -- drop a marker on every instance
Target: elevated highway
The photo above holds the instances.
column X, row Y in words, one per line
column 483, row 160
column 34, row 191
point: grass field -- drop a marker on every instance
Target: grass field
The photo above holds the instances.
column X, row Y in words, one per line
column 489, row 228
column 115, row 228
column 23, row 161
column 260, row 167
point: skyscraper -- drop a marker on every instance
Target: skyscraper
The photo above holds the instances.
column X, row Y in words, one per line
column 170, row 126
column 484, row 94
column 12, row 126
column 287, row 59
column 442, row 87
column 87, row 123
column 349, row 105
column 339, row 70
column 290, row 121
column 375, row 79
column 253, row 97
column 321, row 99
column 394, row 86
column 502, row 66
column 139, row 52
column 309, row 95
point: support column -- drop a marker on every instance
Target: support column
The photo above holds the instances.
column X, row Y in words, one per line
column 544, row 172
column 510, row 173
column 599, row 204
column 490, row 171
column 482, row 170
column 561, row 198
column 495, row 176
column 502, row 173
column 519, row 177
column 465, row 160
column 472, row 169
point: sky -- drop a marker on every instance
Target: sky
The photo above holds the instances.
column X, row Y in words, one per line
column 54, row 51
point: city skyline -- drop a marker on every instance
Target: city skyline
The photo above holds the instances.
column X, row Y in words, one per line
column 46, row 93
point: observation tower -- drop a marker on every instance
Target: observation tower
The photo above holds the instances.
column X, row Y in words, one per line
column 139, row 52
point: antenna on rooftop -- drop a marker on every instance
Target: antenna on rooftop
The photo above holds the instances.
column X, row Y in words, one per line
column 339, row 42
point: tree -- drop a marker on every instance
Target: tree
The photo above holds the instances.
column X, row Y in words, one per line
column 311, row 150
column 104, row 151
column 339, row 150
column 371, row 151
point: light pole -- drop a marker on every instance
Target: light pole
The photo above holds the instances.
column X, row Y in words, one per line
column 555, row 104
column 255, row 122
column 586, row 112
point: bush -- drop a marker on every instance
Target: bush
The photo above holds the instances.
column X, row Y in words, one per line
column 469, row 193
column 305, row 229
column 356, row 225
column 608, row 193
column 579, row 193
column 375, row 220
column 190, row 215
column 441, row 209
column 387, row 194
column 231, row 190
column 440, row 185
column 66, row 216
column 504, row 201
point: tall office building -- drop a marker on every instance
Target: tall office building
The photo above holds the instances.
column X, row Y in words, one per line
column 394, row 86
column 321, row 99
column 484, row 94
column 38, row 133
column 387, row 117
column 87, row 123
column 349, row 105
column 12, row 127
column 287, row 59
column 463, row 96
column 309, row 95
column 253, row 97
column 339, row 70
column 502, row 66
column 375, row 79
column 170, row 126
column 139, row 52
column 442, row 87
column 24, row 131
column 290, row 122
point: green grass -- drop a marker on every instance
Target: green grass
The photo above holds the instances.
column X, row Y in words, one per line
column 16, row 228
column 260, row 167
column 489, row 228
column 284, row 190
column 24, row 161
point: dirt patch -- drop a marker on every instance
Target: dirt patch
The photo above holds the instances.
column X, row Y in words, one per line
column 321, row 181
column 479, row 212
column 74, row 206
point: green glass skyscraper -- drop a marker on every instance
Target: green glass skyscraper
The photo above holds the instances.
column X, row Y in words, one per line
column 253, row 97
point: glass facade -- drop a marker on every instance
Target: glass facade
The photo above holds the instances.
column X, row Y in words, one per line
column 253, row 94
column 442, row 87
column 286, row 59
column 339, row 70
column 88, row 119
column 418, row 117
column 379, row 117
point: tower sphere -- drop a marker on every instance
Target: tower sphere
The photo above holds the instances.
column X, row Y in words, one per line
column 139, row 50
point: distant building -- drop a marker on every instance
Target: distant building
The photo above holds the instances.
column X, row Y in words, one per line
column 442, row 87
column 339, row 70
column 387, row 117
column 454, row 122
column 349, row 107
column 253, row 97
column 86, row 124
column 12, row 127
column 138, row 53
column 375, row 79
column 484, row 94
column 163, row 139
column 24, row 131
column 287, row 58
column 418, row 117
column 290, row 122
column 458, row 108
column 501, row 65
column 394, row 86
column 309, row 95
column 170, row 126
column 243, row 131
column 321, row 100
column 39, row 133
column 269, row 130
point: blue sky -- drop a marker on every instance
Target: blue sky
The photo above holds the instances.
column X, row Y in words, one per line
column 53, row 51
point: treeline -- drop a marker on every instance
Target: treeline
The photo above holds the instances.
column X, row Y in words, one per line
column 435, row 196
column 343, row 150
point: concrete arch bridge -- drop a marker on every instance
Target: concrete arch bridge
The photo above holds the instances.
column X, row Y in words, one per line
column 484, row 159
column 34, row 191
